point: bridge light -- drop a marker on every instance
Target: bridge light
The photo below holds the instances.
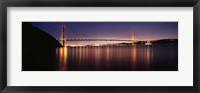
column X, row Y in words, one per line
column 133, row 38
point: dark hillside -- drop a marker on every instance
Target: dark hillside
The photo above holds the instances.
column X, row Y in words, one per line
column 38, row 49
column 34, row 37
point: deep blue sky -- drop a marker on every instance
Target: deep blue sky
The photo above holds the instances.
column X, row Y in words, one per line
column 122, row 30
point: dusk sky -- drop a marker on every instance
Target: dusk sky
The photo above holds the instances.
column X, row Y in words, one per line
column 115, row 30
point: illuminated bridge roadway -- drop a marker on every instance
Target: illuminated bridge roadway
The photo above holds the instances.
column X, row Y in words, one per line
column 91, row 39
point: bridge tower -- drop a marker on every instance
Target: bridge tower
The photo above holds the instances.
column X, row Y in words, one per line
column 133, row 38
column 63, row 35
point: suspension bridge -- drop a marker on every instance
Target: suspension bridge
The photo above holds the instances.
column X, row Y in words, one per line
column 63, row 39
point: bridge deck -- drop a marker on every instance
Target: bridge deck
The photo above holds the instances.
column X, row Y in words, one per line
column 94, row 40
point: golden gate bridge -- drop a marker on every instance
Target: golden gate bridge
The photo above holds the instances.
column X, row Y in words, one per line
column 63, row 39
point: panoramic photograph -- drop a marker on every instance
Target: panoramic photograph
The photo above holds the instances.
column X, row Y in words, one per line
column 99, row 46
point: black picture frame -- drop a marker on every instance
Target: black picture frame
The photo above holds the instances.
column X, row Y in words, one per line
column 98, row 3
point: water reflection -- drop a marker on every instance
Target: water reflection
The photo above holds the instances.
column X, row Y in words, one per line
column 123, row 58
column 133, row 57
column 61, row 54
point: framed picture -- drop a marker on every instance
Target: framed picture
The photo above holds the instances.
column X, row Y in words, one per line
column 100, row 46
